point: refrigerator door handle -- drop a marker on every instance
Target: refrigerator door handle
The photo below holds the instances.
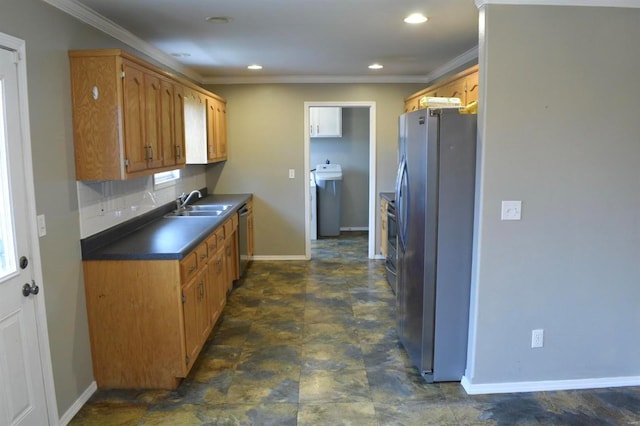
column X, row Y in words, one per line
column 401, row 202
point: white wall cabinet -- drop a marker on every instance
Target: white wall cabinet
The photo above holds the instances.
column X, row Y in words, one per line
column 325, row 122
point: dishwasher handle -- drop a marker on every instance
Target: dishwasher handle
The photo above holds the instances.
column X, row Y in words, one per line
column 243, row 210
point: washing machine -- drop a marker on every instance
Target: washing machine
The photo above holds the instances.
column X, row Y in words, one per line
column 329, row 185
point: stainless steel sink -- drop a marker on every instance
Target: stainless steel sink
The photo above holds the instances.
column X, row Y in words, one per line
column 200, row 210
column 205, row 207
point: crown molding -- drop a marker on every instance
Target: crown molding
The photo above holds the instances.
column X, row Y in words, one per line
column 592, row 3
column 91, row 17
column 313, row 79
column 463, row 59
column 468, row 56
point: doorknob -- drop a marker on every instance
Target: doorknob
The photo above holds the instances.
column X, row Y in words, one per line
column 30, row 289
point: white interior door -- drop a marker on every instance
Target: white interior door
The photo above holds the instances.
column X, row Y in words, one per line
column 22, row 395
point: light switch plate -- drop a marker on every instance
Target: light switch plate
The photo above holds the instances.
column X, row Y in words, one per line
column 42, row 226
column 511, row 210
column 292, row 173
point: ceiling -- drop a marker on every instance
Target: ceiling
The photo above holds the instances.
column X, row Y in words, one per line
column 301, row 40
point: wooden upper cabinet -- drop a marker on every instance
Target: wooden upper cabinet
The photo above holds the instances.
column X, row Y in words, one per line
column 463, row 85
column 206, row 129
column 130, row 117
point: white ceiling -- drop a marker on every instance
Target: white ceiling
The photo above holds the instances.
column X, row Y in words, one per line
column 301, row 39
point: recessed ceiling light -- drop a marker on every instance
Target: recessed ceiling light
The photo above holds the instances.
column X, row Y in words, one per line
column 180, row 55
column 415, row 18
column 219, row 19
column 376, row 66
column 255, row 67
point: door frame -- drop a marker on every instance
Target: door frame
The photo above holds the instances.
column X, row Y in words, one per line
column 19, row 46
column 372, row 169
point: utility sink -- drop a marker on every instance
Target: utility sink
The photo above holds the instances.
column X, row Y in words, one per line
column 200, row 210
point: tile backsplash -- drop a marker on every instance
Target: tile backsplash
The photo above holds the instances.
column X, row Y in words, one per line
column 104, row 204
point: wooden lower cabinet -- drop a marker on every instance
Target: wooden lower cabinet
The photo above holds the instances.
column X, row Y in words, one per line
column 149, row 319
column 136, row 323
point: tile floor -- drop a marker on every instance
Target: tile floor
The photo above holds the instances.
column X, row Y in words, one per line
column 313, row 343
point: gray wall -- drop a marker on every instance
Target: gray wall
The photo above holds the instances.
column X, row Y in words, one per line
column 558, row 129
column 49, row 33
column 266, row 138
column 351, row 151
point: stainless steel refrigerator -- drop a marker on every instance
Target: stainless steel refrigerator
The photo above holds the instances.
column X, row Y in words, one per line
column 435, row 190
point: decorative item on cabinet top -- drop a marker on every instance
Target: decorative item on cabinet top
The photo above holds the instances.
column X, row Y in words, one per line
column 129, row 117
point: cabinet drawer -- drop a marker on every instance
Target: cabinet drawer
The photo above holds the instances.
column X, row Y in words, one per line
column 228, row 228
column 220, row 236
column 201, row 252
column 212, row 244
column 188, row 266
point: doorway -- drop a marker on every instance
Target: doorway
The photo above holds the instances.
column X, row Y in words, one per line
column 371, row 199
column 27, row 394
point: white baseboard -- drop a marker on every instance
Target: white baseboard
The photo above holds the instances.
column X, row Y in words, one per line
column 354, row 228
column 379, row 257
column 283, row 257
column 548, row 385
column 76, row 406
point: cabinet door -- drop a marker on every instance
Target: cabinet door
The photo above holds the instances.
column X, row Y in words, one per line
column 212, row 153
column 412, row 104
column 191, row 305
column 230, row 260
column 195, row 127
column 325, row 122
column 178, row 125
column 455, row 89
column 167, row 133
column 152, row 120
column 218, row 285
column 250, row 232
column 221, row 130
column 472, row 87
column 133, row 118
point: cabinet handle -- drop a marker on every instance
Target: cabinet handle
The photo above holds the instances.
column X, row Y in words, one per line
column 193, row 268
column 203, row 256
column 178, row 151
column 318, row 129
column 150, row 152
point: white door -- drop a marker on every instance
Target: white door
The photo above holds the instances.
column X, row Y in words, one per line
column 22, row 395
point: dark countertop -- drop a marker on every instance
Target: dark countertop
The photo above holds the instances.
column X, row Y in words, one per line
column 154, row 236
column 389, row 196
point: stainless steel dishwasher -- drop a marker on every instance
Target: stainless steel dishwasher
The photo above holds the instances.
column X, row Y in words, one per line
column 243, row 238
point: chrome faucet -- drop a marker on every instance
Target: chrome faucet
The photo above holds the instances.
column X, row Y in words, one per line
column 184, row 199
